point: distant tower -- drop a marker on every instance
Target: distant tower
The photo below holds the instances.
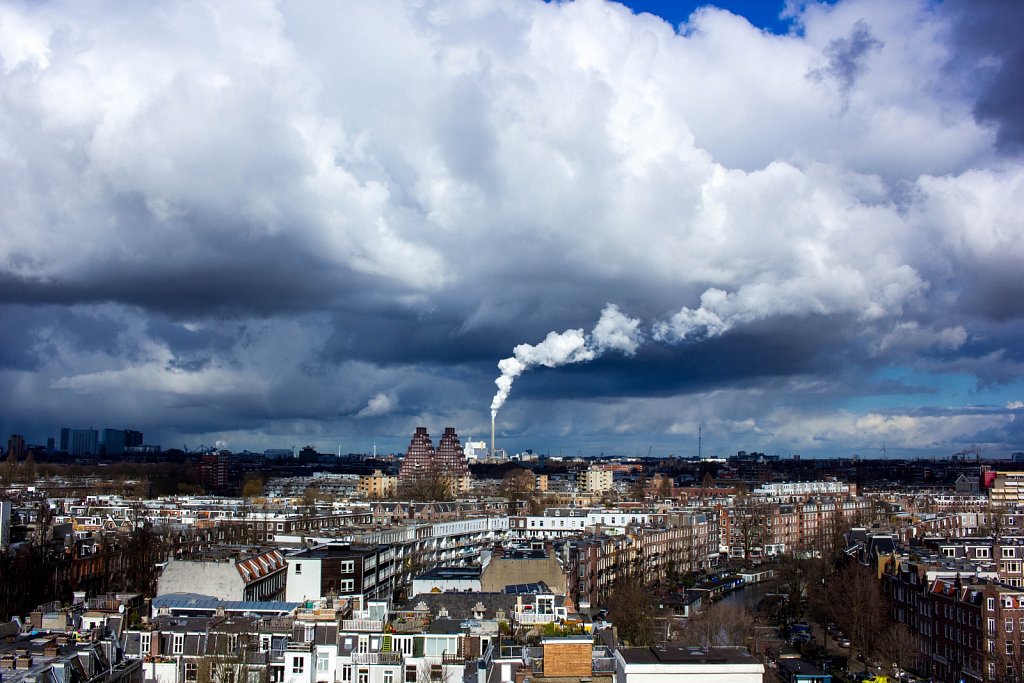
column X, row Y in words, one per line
column 450, row 456
column 448, row 460
column 418, row 457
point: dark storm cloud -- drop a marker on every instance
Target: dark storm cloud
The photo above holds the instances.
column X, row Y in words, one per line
column 297, row 220
column 989, row 56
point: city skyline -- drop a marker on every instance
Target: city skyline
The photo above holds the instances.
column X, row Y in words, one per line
column 793, row 226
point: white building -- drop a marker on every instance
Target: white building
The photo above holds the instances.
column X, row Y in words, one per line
column 675, row 664
column 803, row 488
column 475, row 450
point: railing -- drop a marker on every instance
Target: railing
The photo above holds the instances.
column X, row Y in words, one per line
column 603, row 664
column 534, row 618
column 277, row 624
column 393, row 658
column 373, row 625
column 317, row 614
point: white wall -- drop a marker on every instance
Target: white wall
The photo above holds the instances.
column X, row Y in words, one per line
column 303, row 579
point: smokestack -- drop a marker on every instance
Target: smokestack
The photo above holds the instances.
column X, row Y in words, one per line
column 493, row 454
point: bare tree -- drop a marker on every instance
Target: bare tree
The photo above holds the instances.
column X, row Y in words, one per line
column 749, row 517
column 227, row 659
column 428, row 486
column 899, row 648
column 858, row 608
column 517, row 485
column 665, row 487
column 638, row 487
column 720, row 624
column 632, row 611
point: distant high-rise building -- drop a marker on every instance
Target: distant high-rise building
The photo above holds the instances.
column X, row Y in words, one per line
column 113, row 441
column 16, row 446
column 418, row 457
column 595, row 479
column 120, row 441
column 80, row 441
column 448, row 460
column 132, row 439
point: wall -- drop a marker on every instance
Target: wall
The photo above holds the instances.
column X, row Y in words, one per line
column 217, row 579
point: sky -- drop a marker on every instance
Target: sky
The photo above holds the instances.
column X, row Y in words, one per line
column 796, row 227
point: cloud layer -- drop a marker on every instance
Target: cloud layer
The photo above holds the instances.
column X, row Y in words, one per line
column 268, row 223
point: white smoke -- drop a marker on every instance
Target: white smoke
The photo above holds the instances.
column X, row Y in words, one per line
column 614, row 331
column 870, row 295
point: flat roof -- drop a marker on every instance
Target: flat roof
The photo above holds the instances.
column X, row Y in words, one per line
column 195, row 601
column 674, row 654
column 526, row 588
column 332, row 551
column 451, row 573
column 523, row 554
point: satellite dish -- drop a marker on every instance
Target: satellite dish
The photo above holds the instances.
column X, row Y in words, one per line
column 120, row 608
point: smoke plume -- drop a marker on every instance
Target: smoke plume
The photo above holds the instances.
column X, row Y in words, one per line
column 614, row 331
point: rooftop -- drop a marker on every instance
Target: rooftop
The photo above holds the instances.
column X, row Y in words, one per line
column 674, row 654
column 451, row 573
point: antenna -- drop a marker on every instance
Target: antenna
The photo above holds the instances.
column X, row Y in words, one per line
column 883, row 451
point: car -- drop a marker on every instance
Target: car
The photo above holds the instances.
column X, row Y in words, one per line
column 842, row 641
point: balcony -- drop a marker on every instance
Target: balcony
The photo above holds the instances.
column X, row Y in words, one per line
column 318, row 614
column 532, row 618
column 391, row 658
column 367, row 625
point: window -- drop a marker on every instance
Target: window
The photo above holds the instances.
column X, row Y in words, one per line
column 323, row 662
column 1008, row 625
column 348, row 566
column 178, row 645
column 346, row 674
column 991, row 603
column 310, row 630
column 410, row 673
column 346, row 586
column 144, row 643
column 983, row 552
column 363, row 676
column 1009, row 552
column 1009, row 647
column 191, row 670
column 389, row 676
column 298, row 665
